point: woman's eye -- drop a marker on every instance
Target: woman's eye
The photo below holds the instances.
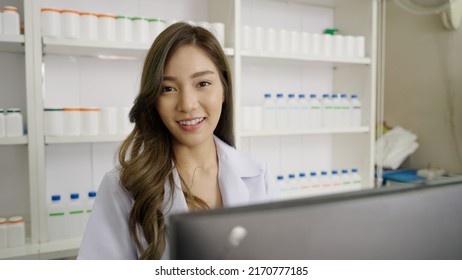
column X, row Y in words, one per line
column 167, row 89
column 203, row 84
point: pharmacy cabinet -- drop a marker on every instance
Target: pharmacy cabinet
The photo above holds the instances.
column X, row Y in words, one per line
column 298, row 65
column 64, row 72
column 18, row 158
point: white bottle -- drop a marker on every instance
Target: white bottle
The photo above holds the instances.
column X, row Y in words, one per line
column 295, row 42
column 327, row 110
column 70, row 24
column 88, row 26
column 293, row 112
column 11, row 22
column 124, row 124
column 355, row 111
column 269, row 112
column 2, row 123
column 315, row 182
column 345, row 110
column 356, row 179
column 156, row 26
column 140, row 32
column 246, row 40
column 3, row 232
column 315, row 112
column 72, row 123
column 345, row 178
column 76, row 216
column 282, row 187
column 327, row 42
column 292, row 186
column 258, row 39
column 108, row 121
column 335, row 179
column 124, row 29
column 106, row 27
column 218, row 30
column 306, row 43
column 336, row 113
column 56, row 219
column 304, row 112
column 89, row 206
column 16, row 231
column 303, row 183
column 283, row 41
column 271, row 40
column 51, row 22
column 89, row 122
column 281, row 112
column 13, row 123
column 325, row 180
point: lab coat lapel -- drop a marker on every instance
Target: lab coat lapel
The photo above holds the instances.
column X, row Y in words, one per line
column 178, row 202
column 234, row 169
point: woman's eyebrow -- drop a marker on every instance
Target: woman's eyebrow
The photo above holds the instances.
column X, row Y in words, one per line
column 195, row 75
column 202, row 73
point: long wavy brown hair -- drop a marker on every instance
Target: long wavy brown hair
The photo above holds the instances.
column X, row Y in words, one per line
column 146, row 157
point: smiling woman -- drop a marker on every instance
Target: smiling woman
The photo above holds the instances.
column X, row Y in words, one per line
column 180, row 155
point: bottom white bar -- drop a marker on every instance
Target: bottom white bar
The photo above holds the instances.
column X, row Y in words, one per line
column 237, row 269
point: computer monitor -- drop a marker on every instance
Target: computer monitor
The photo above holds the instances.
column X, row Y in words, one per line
column 411, row 222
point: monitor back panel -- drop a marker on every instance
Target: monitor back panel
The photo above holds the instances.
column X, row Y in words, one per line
column 415, row 223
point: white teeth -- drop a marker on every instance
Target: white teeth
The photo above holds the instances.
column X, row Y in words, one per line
column 191, row 122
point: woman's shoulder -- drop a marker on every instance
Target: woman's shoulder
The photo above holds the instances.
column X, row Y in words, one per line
column 246, row 162
column 111, row 187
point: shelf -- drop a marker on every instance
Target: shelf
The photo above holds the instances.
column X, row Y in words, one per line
column 84, row 139
column 24, row 252
column 60, row 249
column 322, row 3
column 21, row 140
column 99, row 49
column 339, row 130
column 308, row 58
column 12, row 43
column 49, row 250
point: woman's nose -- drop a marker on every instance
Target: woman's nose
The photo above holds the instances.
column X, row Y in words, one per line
column 188, row 100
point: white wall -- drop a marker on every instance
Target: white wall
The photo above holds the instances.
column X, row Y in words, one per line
column 423, row 85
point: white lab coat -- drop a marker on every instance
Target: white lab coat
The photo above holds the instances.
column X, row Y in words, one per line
column 242, row 179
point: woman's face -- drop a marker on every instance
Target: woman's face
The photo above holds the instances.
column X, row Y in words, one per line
column 192, row 96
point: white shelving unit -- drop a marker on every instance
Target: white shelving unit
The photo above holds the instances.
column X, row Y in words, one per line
column 340, row 130
column 99, row 49
column 308, row 58
column 83, row 139
column 21, row 140
column 11, row 43
column 18, row 167
column 91, row 73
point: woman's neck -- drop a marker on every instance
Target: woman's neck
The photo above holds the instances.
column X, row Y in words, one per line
column 198, row 170
column 187, row 159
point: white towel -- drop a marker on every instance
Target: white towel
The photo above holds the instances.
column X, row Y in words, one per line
column 394, row 147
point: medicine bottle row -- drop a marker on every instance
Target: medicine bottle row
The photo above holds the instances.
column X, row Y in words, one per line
column 87, row 121
column 11, row 122
column 106, row 27
column 282, row 41
column 298, row 112
column 12, row 232
column 294, row 185
column 68, row 218
column 10, row 21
